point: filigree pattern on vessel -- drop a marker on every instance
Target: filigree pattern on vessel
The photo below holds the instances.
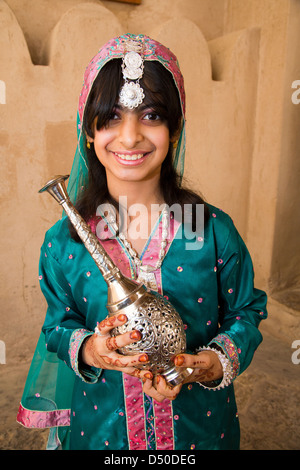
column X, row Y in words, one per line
column 162, row 331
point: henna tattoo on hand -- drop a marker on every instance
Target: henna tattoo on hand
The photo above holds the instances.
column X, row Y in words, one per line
column 111, row 343
column 180, row 360
column 204, row 375
column 137, row 373
column 93, row 353
column 109, row 361
column 107, row 322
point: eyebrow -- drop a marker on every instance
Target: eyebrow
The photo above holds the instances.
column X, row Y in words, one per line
column 140, row 108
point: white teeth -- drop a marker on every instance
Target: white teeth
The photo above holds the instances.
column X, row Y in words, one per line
column 130, row 157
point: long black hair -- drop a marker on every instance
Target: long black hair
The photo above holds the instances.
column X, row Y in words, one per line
column 162, row 96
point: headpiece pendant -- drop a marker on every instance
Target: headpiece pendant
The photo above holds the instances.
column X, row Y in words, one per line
column 131, row 94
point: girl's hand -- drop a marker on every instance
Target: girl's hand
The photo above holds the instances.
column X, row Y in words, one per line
column 159, row 389
column 206, row 365
column 100, row 350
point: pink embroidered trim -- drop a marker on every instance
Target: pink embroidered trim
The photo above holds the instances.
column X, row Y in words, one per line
column 112, row 246
column 231, row 351
column 151, row 254
column 75, row 342
column 135, row 412
column 43, row 419
column 164, row 425
column 163, row 412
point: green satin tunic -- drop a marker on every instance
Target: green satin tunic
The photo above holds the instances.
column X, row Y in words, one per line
column 212, row 289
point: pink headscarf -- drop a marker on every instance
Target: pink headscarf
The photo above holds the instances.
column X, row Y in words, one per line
column 115, row 49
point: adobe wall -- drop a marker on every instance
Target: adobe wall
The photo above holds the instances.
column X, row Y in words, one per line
column 239, row 60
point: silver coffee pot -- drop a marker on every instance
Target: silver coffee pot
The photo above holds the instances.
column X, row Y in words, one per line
column 162, row 330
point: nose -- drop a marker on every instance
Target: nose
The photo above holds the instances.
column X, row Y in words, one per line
column 130, row 131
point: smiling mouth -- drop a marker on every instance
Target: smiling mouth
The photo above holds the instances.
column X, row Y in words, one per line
column 133, row 157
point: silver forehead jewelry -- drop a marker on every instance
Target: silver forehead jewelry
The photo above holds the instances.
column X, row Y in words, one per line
column 131, row 94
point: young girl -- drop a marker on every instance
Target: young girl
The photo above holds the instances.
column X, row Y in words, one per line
column 131, row 143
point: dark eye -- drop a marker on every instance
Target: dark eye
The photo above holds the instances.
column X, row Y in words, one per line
column 151, row 117
column 113, row 119
column 113, row 116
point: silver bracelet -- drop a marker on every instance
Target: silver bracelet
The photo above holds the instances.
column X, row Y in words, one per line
column 227, row 370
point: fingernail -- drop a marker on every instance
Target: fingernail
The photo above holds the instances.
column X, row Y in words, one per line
column 135, row 335
column 148, row 375
column 122, row 317
column 143, row 358
column 179, row 360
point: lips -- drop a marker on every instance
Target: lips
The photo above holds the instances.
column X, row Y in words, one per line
column 131, row 158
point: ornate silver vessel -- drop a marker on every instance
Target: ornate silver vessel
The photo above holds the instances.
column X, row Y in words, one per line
column 161, row 327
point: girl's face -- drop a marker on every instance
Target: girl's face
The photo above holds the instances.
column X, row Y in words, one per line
column 133, row 144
